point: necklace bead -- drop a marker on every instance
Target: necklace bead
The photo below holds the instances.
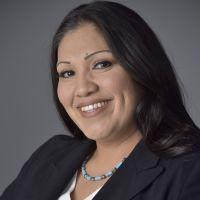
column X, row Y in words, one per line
column 103, row 176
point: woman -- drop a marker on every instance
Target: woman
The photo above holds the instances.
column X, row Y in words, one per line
column 117, row 93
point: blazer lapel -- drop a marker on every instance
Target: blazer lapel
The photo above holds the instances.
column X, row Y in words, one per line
column 59, row 172
column 137, row 172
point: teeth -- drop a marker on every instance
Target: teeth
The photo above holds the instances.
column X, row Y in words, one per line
column 93, row 106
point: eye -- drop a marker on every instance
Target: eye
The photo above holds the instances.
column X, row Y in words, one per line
column 102, row 64
column 66, row 74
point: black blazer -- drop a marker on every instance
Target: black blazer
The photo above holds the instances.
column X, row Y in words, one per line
column 142, row 176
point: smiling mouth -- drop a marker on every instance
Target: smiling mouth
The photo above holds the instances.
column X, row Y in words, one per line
column 94, row 109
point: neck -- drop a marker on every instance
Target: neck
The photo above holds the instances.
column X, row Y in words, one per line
column 114, row 151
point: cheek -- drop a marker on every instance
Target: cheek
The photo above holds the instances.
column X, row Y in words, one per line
column 126, row 86
column 122, row 87
column 64, row 95
column 118, row 82
column 112, row 83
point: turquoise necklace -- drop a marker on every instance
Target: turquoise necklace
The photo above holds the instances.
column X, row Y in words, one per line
column 103, row 176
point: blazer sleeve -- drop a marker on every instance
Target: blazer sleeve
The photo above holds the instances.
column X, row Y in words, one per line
column 41, row 153
column 191, row 187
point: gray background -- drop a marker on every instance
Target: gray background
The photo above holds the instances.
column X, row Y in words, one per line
column 28, row 117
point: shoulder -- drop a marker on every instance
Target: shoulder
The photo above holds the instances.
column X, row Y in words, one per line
column 187, row 159
column 53, row 144
column 191, row 173
column 57, row 141
column 183, row 172
column 183, row 163
column 42, row 156
column 46, row 152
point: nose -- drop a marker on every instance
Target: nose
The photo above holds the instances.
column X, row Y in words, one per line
column 85, row 86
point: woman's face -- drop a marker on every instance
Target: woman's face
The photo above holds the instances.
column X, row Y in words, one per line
column 95, row 90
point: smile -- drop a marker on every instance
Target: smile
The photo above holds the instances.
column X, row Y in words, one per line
column 95, row 109
column 94, row 106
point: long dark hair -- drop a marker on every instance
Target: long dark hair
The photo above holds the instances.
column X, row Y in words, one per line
column 161, row 116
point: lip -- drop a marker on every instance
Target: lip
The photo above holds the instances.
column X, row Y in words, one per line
column 89, row 102
column 95, row 112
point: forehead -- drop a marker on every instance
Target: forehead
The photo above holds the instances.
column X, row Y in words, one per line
column 85, row 38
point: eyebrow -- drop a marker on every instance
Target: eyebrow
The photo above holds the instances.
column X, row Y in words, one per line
column 86, row 57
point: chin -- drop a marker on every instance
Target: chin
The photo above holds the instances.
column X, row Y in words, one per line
column 96, row 136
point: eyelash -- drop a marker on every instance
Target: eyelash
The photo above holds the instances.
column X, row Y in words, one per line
column 62, row 73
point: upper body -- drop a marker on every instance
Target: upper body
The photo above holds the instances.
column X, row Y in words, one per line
column 69, row 192
column 115, row 90
column 142, row 176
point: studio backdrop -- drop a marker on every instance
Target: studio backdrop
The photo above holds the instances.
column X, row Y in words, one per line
column 28, row 116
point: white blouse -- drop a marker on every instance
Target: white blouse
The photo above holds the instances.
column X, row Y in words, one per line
column 70, row 187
